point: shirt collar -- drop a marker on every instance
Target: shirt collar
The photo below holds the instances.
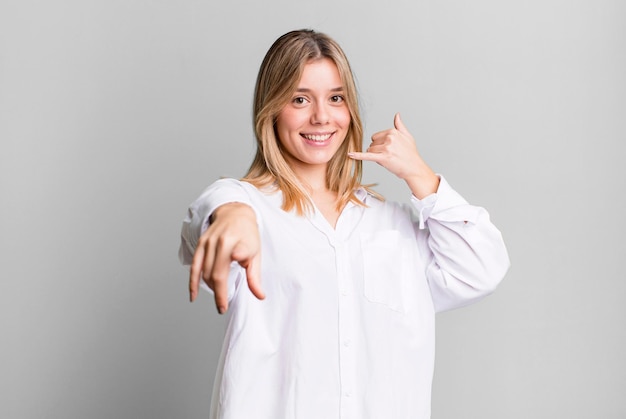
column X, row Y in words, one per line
column 361, row 194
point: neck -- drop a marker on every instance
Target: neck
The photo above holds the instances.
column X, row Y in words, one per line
column 313, row 178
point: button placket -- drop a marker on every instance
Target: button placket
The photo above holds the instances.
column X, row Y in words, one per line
column 347, row 355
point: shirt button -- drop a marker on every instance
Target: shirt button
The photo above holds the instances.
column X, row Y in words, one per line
column 348, row 394
column 344, row 293
column 346, row 343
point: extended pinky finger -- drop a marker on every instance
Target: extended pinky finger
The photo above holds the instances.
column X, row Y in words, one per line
column 364, row 156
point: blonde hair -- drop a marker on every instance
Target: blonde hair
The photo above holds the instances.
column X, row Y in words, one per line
column 277, row 80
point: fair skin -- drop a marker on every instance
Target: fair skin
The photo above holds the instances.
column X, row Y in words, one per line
column 311, row 128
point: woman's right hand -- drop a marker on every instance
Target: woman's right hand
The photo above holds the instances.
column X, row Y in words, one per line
column 233, row 235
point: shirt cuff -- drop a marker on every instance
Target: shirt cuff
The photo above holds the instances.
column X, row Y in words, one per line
column 444, row 198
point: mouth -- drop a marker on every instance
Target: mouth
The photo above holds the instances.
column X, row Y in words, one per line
column 318, row 138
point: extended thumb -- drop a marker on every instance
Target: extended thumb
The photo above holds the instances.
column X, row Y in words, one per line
column 398, row 124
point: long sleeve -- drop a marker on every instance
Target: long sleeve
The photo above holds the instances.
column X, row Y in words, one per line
column 467, row 257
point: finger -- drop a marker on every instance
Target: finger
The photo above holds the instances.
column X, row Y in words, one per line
column 220, row 290
column 252, row 263
column 368, row 156
column 397, row 122
column 219, row 277
column 209, row 260
column 381, row 136
column 195, row 270
column 253, row 273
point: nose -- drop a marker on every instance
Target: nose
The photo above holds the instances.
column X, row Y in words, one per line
column 320, row 115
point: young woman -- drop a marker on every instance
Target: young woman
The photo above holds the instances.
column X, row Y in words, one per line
column 331, row 291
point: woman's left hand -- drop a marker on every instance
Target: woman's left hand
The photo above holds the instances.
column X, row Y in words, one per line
column 395, row 150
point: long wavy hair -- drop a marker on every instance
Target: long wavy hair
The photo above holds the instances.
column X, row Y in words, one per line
column 277, row 80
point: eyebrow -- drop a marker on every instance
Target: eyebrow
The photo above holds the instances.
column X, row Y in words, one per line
column 305, row 90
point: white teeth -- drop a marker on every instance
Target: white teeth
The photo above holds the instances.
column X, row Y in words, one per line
column 317, row 138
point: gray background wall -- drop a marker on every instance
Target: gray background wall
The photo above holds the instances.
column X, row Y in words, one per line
column 114, row 115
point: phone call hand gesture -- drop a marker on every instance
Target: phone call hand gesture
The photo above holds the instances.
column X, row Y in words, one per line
column 396, row 151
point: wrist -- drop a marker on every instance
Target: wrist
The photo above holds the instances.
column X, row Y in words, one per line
column 237, row 209
column 423, row 185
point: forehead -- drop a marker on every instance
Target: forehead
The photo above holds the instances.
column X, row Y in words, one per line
column 322, row 73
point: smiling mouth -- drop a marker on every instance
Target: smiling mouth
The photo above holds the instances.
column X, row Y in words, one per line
column 318, row 138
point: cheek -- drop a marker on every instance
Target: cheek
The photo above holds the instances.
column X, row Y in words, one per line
column 343, row 118
column 288, row 121
column 281, row 128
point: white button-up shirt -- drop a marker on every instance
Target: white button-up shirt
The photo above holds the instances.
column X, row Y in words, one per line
column 347, row 326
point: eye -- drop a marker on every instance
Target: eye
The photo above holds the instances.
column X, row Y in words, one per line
column 337, row 99
column 299, row 100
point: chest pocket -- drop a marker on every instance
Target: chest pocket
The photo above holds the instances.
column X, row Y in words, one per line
column 385, row 264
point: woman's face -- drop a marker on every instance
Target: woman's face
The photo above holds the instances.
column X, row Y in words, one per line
column 314, row 123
